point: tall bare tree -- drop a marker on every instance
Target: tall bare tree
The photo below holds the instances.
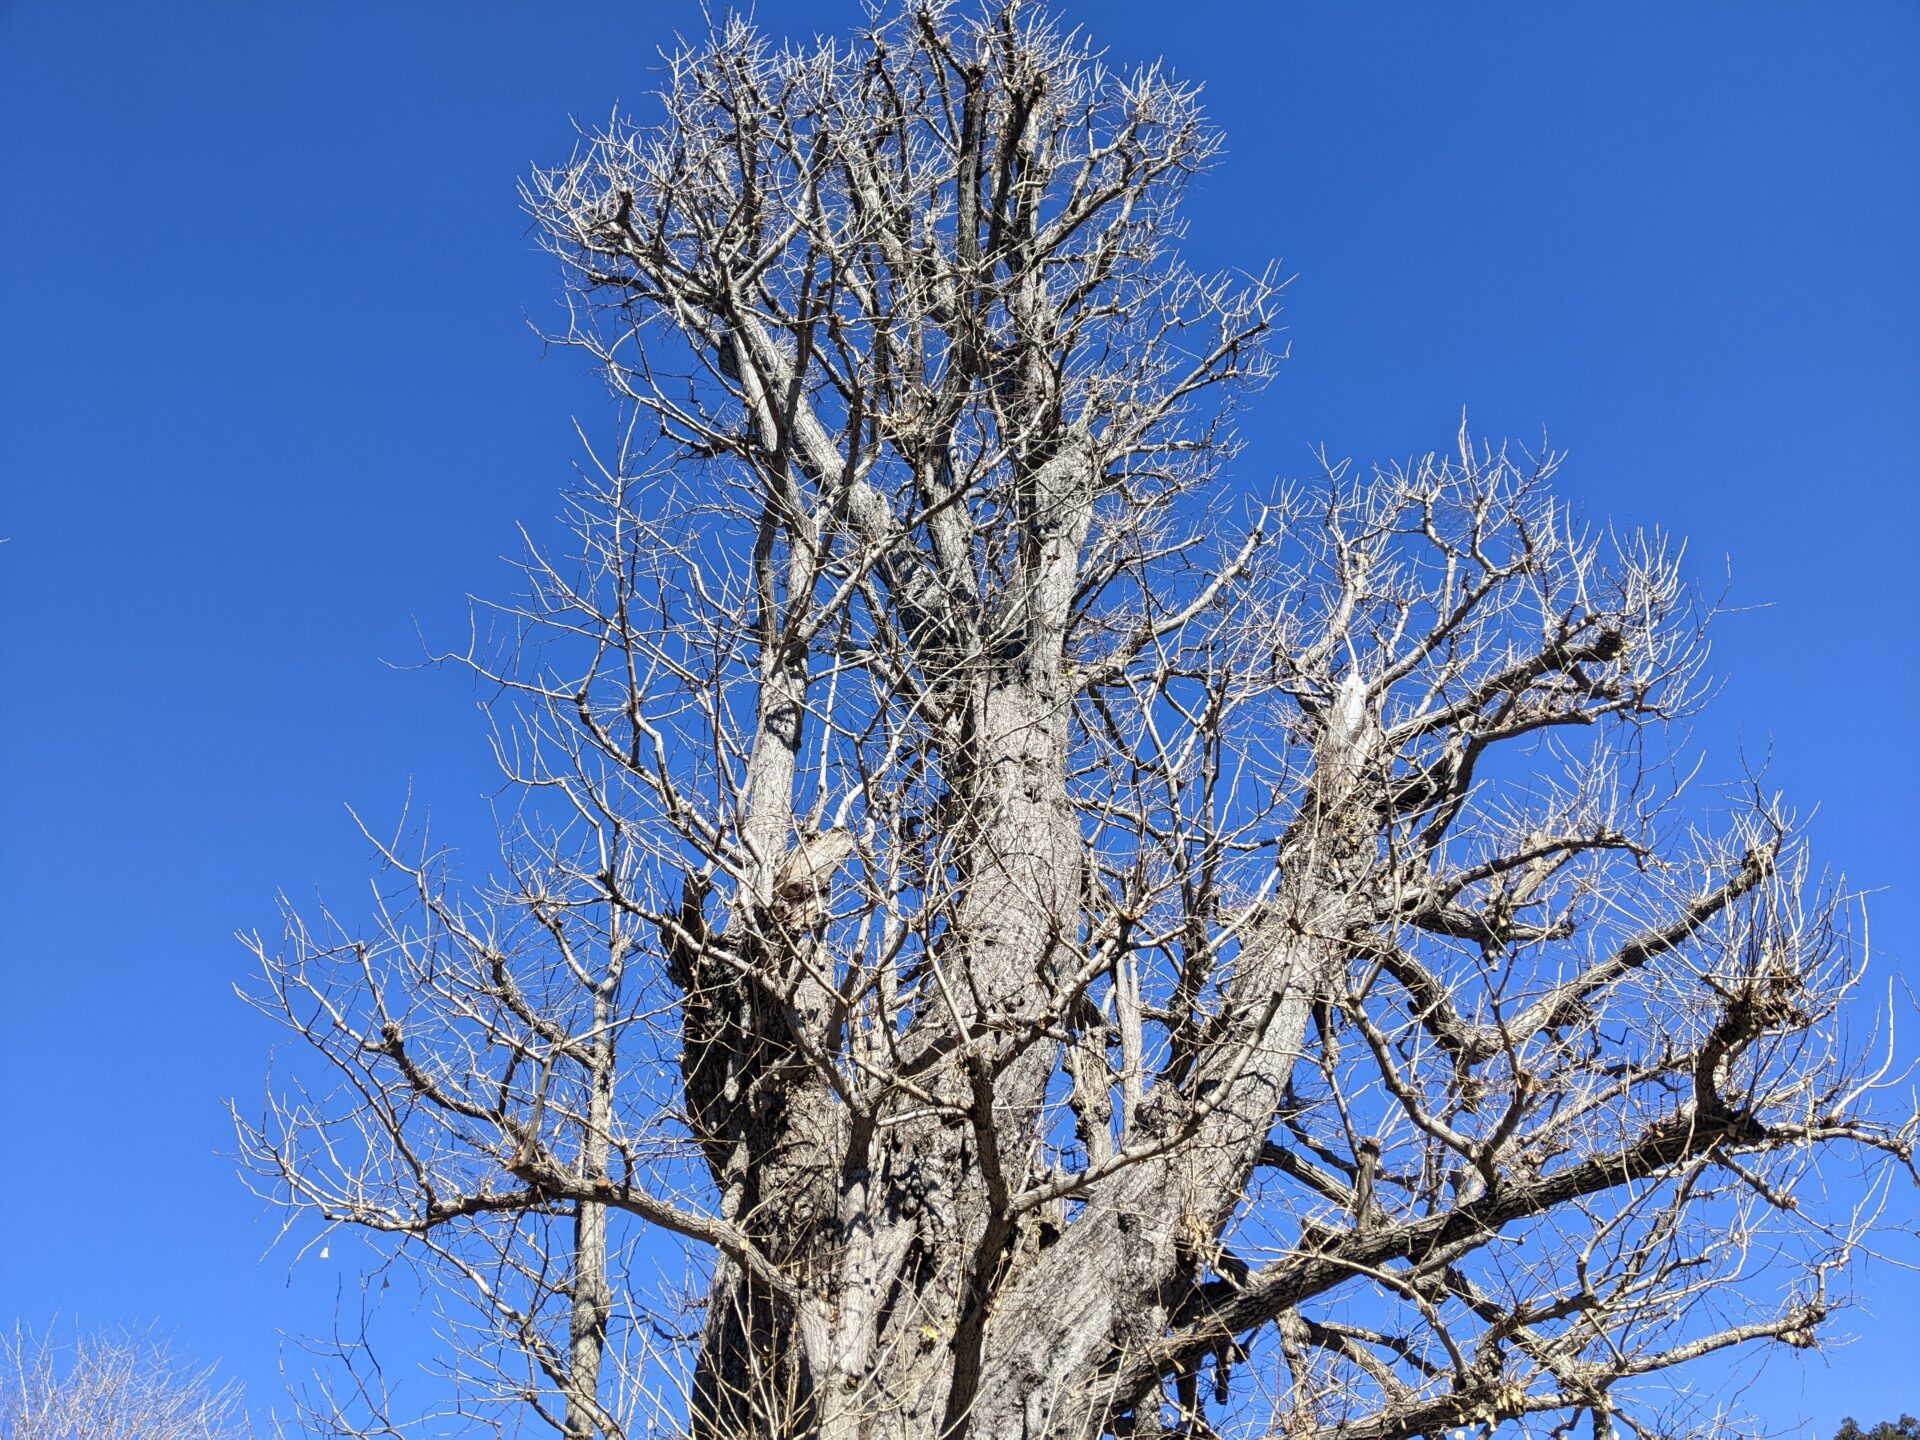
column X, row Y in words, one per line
column 1076, row 954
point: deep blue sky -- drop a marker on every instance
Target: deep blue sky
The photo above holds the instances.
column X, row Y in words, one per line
column 268, row 394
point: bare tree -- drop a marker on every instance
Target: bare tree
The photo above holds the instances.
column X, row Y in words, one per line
column 1074, row 956
column 110, row 1386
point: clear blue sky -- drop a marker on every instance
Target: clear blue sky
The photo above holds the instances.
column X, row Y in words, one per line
column 268, row 394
